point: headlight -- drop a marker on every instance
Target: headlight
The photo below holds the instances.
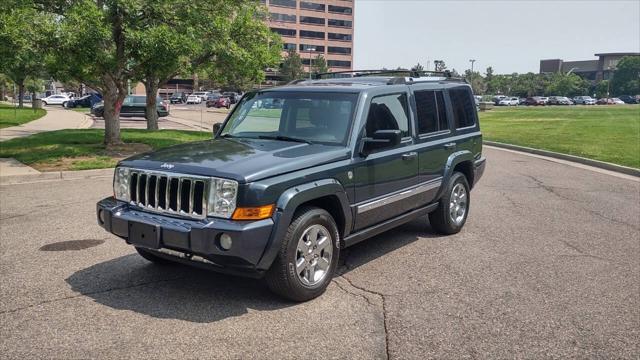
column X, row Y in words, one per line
column 121, row 184
column 222, row 198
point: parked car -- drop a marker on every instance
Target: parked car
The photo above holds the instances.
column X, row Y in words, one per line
column 282, row 199
column 178, row 98
column 535, row 101
column 628, row 99
column 133, row 105
column 509, row 101
column 86, row 101
column 57, row 99
column 559, row 100
column 194, row 99
column 605, row 101
column 202, row 94
column 234, row 97
column 584, row 100
column 545, row 100
column 522, row 101
column 617, row 101
column 498, row 98
column 218, row 101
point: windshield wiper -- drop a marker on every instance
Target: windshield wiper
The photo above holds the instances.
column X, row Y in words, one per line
column 284, row 138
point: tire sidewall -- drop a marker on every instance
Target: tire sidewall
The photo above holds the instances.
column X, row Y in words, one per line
column 456, row 178
column 312, row 217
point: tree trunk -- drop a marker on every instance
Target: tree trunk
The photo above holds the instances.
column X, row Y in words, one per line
column 151, row 86
column 33, row 100
column 112, row 104
column 21, row 94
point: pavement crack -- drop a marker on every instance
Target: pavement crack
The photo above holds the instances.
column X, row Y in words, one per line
column 89, row 294
column 384, row 309
column 552, row 190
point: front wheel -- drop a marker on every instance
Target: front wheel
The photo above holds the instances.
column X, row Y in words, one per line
column 452, row 211
column 308, row 256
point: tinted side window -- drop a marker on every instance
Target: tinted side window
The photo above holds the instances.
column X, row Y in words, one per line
column 388, row 112
column 463, row 107
column 431, row 111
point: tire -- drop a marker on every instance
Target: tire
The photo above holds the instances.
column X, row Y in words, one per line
column 148, row 255
column 441, row 219
column 44, row 103
column 302, row 285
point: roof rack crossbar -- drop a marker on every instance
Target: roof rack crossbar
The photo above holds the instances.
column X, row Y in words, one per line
column 409, row 73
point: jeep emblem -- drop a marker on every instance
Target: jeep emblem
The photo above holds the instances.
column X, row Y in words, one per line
column 167, row 166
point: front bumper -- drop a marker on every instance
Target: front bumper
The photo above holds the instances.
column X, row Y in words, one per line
column 182, row 239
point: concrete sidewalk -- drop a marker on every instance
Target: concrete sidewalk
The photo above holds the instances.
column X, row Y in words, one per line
column 57, row 118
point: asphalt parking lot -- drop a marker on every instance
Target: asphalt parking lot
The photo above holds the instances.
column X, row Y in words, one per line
column 548, row 266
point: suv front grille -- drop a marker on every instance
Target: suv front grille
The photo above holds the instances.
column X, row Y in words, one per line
column 171, row 193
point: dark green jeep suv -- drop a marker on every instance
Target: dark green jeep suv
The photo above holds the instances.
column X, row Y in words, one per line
column 299, row 172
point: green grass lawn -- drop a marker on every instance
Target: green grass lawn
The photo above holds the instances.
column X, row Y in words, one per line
column 11, row 116
column 606, row 133
column 83, row 149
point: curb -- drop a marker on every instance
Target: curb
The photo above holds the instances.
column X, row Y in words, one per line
column 55, row 175
column 590, row 162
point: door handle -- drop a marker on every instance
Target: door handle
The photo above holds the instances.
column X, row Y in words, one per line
column 450, row 145
column 410, row 155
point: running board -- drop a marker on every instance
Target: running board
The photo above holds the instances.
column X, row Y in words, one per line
column 387, row 225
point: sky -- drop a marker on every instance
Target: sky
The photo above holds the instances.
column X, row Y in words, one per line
column 510, row 36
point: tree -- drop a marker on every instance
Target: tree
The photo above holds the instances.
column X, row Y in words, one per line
column 439, row 65
column 319, row 65
column 566, row 85
column 252, row 47
column 34, row 85
column 488, row 80
column 476, row 81
column 92, row 45
column 292, row 66
column 417, row 67
column 626, row 78
column 23, row 32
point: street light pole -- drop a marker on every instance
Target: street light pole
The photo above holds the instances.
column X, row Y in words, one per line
column 310, row 50
column 472, row 61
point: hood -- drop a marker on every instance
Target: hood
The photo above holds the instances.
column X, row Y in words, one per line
column 244, row 160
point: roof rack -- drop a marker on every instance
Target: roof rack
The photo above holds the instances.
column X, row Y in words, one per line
column 398, row 76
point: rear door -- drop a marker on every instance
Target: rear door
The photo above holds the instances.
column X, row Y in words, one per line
column 434, row 138
column 384, row 178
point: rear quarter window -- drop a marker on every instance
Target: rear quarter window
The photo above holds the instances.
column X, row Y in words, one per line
column 431, row 111
column 463, row 106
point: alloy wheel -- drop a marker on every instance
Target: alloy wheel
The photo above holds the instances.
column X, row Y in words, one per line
column 314, row 254
column 458, row 204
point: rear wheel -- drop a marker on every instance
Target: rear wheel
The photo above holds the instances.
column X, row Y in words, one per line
column 148, row 255
column 308, row 256
column 453, row 208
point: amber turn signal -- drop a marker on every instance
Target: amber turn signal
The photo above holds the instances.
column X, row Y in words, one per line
column 253, row 213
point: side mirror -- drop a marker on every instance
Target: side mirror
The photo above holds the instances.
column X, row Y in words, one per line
column 216, row 128
column 379, row 140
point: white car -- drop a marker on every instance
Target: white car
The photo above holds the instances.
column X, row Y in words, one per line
column 510, row 101
column 617, row 101
column 584, row 100
column 202, row 94
column 194, row 99
column 57, row 99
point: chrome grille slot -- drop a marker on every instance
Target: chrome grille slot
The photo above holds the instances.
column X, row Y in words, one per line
column 171, row 193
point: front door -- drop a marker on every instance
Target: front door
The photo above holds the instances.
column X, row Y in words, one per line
column 385, row 177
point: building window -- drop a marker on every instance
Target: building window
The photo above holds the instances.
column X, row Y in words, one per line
column 312, row 34
column 284, row 32
column 289, row 46
column 339, row 50
column 317, row 48
column 464, row 107
column 283, row 3
column 311, row 6
column 283, row 17
column 340, row 37
column 340, row 9
column 431, row 111
column 306, row 62
column 311, row 20
column 338, row 63
column 340, row 23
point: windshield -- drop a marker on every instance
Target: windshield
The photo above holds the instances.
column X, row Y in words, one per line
column 311, row 117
